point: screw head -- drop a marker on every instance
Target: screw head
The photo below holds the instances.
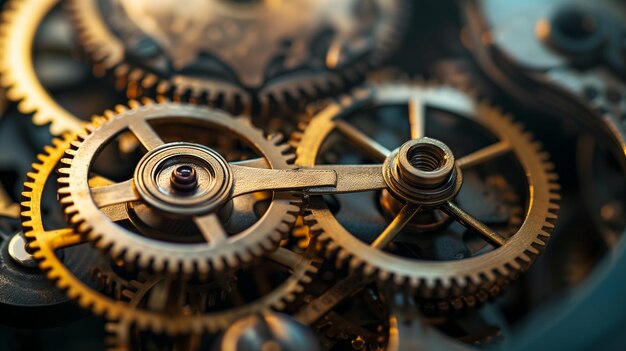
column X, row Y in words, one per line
column 184, row 178
column 17, row 251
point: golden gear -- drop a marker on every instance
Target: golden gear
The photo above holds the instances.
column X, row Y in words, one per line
column 45, row 243
column 424, row 162
column 21, row 19
column 243, row 55
column 151, row 190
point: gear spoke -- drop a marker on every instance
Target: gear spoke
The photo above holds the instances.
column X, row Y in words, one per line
column 285, row 257
column 112, row 194
column 211, row 228
column 249, row 180
column 483, row 155
column 417, row 117
column 62, row 238
column 252, row 163
column 395, row 227
column 352, row 179
column 342, row 290
column 472, row 223
column 145, row 134
column 369, row 145
column 12, row 211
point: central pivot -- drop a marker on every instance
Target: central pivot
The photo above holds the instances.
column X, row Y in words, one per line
column 422, row 171
column 184, row 178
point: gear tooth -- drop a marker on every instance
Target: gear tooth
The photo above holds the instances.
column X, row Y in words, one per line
column 276, row 138
column 120, row 109
column 553, row 208
column 146, row 101
column 142, row 260
column 279, row 305
column 64, row 191
column 342, row 257
column 43, row 158
column 232, row 261
column 31, row 175
column 187, row 267
column 133, row 104
column 90, row 128
column 218, row 265
column 66, row 201
column 502, row 271
column 203, row 266
column 355, row 264
column 383, row 275
column 245, row 256
column 71, row 152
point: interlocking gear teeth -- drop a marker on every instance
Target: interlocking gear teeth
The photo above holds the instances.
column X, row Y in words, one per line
column 471, row 287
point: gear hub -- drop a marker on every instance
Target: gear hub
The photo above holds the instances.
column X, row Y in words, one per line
column 422, row 171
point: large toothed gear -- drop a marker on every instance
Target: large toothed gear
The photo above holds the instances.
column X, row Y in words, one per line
column 45, row 246
column 181, row 192
column 239, row 53
column 21, row 20
column 416, row 190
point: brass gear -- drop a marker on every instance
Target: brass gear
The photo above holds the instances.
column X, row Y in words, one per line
column 215, row 185
column 431, row 279
column 250, row 52
column 21, row 19
column 45, row 243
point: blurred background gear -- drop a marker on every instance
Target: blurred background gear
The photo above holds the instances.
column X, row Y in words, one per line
column 236, row 54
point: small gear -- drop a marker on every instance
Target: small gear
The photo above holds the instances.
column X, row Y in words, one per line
column 422, row 179
column 45, row 245
column 249, row 52
column 21, row 20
